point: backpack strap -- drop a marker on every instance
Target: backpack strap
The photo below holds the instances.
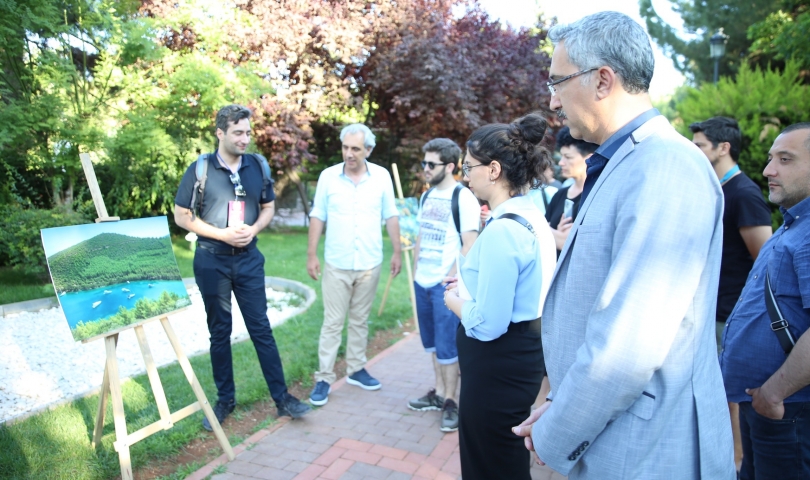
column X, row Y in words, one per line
column 543, row 194
column 424, row 196
column 520, row 220
column 454, row 208
column 267, row 179
column 201, row 172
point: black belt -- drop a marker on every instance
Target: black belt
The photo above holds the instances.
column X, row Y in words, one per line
column 226, row 251
column 530, row 326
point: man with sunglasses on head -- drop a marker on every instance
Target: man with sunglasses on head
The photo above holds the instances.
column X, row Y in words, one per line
column 235, row 204
column 448, row 224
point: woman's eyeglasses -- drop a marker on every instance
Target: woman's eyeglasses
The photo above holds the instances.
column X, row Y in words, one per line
column 466, row 167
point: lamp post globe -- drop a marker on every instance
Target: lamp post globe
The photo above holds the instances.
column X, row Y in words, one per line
column 717, row 49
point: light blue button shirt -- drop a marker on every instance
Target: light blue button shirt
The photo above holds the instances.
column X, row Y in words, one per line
column 507, row 271
column 353, row 215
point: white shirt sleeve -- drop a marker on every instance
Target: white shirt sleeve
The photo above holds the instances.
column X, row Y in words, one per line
column 469, row 211
column 319, row 207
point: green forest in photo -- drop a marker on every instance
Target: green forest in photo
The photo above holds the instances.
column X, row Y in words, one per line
column 111, row 258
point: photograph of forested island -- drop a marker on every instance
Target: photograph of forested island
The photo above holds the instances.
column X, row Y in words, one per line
column 111, row 275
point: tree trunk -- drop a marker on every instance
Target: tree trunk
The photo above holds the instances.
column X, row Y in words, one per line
column 302, row 190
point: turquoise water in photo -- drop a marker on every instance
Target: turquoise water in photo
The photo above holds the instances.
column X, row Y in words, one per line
column 78, row 306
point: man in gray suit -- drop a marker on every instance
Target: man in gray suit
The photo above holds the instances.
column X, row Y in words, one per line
column 628, row 327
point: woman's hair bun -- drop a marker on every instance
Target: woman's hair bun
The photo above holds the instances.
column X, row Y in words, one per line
column 532, row 128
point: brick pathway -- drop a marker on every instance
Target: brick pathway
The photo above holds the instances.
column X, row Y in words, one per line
column 359, row 434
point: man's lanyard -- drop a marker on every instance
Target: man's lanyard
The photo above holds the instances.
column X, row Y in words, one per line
column 222, row 162
column 729, row 174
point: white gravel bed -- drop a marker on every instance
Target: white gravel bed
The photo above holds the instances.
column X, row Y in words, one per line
column 41, row 364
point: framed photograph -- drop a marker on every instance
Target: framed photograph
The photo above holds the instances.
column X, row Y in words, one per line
column 111, row 276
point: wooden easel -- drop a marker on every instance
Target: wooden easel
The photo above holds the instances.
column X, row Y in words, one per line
column 111, row 382
column 408, row 261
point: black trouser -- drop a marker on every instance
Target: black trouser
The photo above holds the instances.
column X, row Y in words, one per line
column 499, row 383
column 218, row 275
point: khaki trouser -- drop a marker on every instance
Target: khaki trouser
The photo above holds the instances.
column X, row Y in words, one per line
column 352, row 292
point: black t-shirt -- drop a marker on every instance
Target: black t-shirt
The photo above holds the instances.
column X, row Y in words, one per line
column 557, row 205
column 219, row 190
column 745, row 207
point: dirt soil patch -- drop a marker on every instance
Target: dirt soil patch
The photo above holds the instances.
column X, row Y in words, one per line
column 247, row 420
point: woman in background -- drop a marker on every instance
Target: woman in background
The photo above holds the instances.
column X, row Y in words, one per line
column 507, row 273
column 573, row 154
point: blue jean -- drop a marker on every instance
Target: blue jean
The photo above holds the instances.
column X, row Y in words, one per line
column 437, row 324
column 217, row 276
column 775, row 449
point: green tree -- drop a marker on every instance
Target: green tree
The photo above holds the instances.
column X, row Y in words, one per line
column 762, row 101
column 701, row 20
column 783, row 34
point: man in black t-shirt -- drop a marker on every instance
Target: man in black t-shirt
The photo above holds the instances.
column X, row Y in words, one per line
column 746, row 223
column 236, row 206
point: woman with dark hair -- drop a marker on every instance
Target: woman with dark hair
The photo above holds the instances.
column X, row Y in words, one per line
column 499, row 297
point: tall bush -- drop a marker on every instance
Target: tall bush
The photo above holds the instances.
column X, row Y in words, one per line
column 762, row 101
column 20, row 241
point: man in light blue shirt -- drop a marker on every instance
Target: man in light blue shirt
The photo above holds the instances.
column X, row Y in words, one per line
column 353, row 197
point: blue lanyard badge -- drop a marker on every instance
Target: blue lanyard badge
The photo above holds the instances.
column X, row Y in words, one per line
column 729, row 174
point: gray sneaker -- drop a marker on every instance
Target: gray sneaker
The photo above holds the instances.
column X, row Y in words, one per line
column 449, row 416
column 431, row 401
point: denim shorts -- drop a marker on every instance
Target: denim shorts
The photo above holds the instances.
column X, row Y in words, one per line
column 437, row 324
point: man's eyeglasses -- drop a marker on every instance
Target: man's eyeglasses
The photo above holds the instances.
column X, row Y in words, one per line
column 553, row 90
column 430, row 165
column 238, row 189
column 466, row 167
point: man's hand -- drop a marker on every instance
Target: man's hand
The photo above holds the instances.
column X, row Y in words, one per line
column 766, row 405
column 525, row 429
column 313, row 266
column 396, row 264
column 238, row 237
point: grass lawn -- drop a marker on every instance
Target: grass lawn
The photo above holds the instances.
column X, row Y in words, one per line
column 56, row 444
column 18, row 286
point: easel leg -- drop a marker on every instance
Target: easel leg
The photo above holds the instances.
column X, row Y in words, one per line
column 409, row 270
column 102, row 403
column 195, row 386
column 154, row 379
column 118, row 409
column 385, row 295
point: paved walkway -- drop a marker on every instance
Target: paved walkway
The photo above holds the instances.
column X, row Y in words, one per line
column 359, row 434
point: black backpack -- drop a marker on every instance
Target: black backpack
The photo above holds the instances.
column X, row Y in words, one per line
column 453, row 204
column 201, row 171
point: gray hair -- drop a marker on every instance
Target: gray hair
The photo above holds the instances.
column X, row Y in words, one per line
column 368, row 137
column 609, row 39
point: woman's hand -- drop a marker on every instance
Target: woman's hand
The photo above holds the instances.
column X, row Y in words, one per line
column 453, row 302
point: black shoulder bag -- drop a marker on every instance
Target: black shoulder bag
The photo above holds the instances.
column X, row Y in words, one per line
column 778, row 323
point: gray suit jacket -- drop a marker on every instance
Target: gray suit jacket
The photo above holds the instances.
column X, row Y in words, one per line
column 628, row 324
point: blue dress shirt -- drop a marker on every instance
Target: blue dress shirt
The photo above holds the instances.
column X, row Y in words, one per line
column 598, row 161
column 507, row 271
column 751, row 352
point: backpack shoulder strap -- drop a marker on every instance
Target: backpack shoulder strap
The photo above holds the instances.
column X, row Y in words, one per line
column 267, row 179
column 520, row 220
column 424, row 196
column 543, row 194
column 201, row 172
column 454, row 207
